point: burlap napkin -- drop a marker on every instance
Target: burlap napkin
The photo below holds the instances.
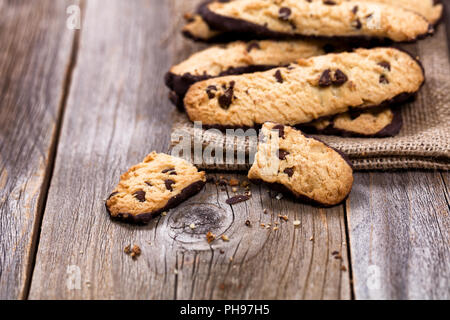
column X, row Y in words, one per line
column 423, row 143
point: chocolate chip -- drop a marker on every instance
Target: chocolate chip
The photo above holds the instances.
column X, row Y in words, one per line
column 226, row 99
column 140, row 195
column 169, row 184
column 148, row 183
column 369, row 16
column 284, row 13
column 357, row 24
column 278, row 76
column 339, row 78
column 173, row 173
column 289, row 171
column 167, row 170
column 282, row 154
column 280, row 129
column 329, row 2
column 383, row 79
column 253, row 45
column 385, row 65
column 237, row 199
column 355, row 9
column 209, row 91
column 325, row 79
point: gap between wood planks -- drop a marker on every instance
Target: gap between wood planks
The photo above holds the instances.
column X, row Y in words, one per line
column 42, row 202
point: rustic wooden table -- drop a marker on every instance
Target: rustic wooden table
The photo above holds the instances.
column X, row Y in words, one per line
column 77, row 108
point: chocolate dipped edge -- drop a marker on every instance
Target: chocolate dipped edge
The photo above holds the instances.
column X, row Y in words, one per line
column 145, row 218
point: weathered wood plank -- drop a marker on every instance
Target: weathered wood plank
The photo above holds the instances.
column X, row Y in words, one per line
column 399, row 232
column 117, row 112
column 35, row 54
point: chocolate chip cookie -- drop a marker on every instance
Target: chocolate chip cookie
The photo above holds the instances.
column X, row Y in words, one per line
column 156, row 185
column 310, row 170
column 237, row 58
column 316, row 18
column 309, row 90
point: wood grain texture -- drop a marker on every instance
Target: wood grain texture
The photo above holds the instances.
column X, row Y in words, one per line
column 35, row 54
column 117, row 112
column 399, row 234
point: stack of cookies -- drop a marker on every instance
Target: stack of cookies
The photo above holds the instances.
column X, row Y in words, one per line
column 288, row 67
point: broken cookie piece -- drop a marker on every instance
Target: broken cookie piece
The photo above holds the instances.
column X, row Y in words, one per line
column 154, row 186
column 310, row 170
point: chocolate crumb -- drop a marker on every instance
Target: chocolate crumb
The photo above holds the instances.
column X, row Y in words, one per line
column 237, row 199
column 284, row 13
column 383, row 79
column 140, row 195
column 325, row 79
column 278, row 76
column 248, row 223
column 253, row 45
column 226, row 99
column 282, row 154
column 169, row 184
column 289, row 171
column 280, row 129
column 127, row 249
column 209, row 91
column 339, row 78
column 386, row 65
column 357, row 24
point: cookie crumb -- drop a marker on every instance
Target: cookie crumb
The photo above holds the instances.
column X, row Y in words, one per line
column 279, row 196
column 344, row 268
column 296, row 223
column 127, row 249
column 263, row 225
column 265, row 211
column 275, row 228
column 222, row 251
column 233, row 182
column 164, row 213
column 248, row 223
column 311, row 239
column 225, row 238
column 210, row 237
column 285, row 218
column 192, row 226
column 245, row 184
column 231, row 259
column 234, row 189
column 135, row 251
